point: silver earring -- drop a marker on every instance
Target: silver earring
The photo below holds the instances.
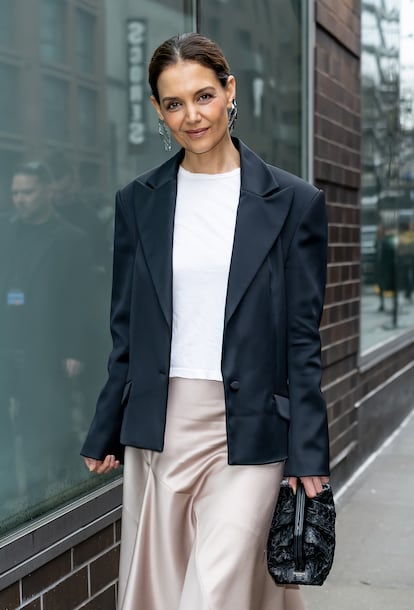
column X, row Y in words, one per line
column 165, row 134
column 232, row 115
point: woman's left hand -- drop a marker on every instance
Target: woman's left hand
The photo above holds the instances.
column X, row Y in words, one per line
column 101, row 466
column 312, row 485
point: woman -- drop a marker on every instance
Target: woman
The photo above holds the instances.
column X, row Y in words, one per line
column 214, row 377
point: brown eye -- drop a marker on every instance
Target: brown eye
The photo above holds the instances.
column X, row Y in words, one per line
column 206, row 97
column 173, row 105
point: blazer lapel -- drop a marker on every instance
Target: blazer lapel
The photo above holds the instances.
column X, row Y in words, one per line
column 155, row 210
column 262, row 211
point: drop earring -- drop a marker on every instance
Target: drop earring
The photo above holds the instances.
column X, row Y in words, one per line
column 232, row 115
column 165, row 134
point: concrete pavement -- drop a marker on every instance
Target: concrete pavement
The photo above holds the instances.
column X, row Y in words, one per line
column 374, row 559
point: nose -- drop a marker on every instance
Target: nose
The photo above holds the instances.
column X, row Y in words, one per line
column 192, row 113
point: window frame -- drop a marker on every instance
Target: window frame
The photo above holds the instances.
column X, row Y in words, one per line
column 308, row 76
column 33, row 545
column 50, row 43
column 62, row 88
column 373, row 355
column 80, row 15
column 88, row 100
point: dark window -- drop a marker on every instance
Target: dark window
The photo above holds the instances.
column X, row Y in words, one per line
column 55, row 109
column 87, row 116
column 85, row 41
column 7, row 23
column 8, row 99
column 52, row 30
column 266, row 55
column 387, row 178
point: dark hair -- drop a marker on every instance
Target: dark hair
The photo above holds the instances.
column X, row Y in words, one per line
column 60, row 165
column 35, row 168
column 187, row 47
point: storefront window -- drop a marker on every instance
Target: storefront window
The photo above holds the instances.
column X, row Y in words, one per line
column 52, row 30
column 263, row 43
column 66, row 145
column 55, row 106
column 85, row 41
column 77, row 124
column 87, row 116
column 6, row 23
column 387, row 201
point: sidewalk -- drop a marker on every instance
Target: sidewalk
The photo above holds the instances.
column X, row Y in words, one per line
column 374, row 559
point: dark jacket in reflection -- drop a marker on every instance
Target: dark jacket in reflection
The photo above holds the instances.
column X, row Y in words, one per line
column 75, row 211
column 386, row 259
column 44, row 284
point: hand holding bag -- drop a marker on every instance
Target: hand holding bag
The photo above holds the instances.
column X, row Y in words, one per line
column 301, row 542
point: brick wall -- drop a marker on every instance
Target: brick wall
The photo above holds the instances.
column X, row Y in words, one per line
column 337, row 170
column 82, row 578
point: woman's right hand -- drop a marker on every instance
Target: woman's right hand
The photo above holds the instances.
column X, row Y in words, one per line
column 102, row 466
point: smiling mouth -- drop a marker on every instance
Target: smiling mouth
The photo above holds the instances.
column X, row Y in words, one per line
column 194, row 133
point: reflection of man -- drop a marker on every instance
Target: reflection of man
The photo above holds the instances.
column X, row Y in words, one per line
column 385, row 262
column 42, row 288
column 69, row 202
column 75, row 205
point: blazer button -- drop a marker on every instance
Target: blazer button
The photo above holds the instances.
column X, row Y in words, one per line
column 235, row 385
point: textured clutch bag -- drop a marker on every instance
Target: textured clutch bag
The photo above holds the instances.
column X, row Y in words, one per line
column 301, row 542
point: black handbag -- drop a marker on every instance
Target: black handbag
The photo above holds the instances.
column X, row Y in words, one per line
column 301, row 542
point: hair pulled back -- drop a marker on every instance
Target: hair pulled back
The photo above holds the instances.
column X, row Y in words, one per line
column 35, row 168
column 187, row 47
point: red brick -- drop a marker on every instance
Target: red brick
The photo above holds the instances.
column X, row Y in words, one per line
column 44, row 577
column 104, row 570
column 10, row 597
column 93, row 546
column 69, row 593
column 118, row 530
column 104, row 601
column 33, row 605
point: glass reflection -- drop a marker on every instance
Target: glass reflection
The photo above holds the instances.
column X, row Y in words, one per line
column 64, row 150
column 42, row 330
column 75, row 127
column 265, row 52
column 387, row 202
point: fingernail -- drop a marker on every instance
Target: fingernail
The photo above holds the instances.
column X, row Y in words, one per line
column 90, row 467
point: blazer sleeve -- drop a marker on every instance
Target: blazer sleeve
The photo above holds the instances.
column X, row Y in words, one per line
column 305, row 273
column 104, row 433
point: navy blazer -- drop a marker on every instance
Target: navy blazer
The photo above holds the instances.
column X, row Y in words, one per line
column 271, row 361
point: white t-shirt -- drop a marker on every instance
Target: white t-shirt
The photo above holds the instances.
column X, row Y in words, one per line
column 205, row 219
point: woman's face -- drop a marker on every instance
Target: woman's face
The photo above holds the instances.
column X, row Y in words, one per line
column 194, row 105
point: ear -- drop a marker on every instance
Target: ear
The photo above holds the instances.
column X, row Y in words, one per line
column 157, row 107
column 230, row 89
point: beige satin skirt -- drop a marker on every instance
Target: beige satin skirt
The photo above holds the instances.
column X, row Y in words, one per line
column 194, row 529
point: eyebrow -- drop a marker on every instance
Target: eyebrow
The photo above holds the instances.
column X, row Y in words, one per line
column 176, row 97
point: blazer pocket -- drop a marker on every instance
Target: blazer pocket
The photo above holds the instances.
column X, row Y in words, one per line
column 282, row 406
column 126, row 392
